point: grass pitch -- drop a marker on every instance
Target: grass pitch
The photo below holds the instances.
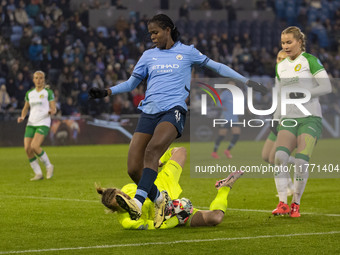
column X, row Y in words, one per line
column 64, row 216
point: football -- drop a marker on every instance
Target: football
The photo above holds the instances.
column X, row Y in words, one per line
column 182, row 208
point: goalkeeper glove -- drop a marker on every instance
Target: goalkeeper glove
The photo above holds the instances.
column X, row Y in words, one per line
column 257, row 87
column 182, row 217
column 97, row 92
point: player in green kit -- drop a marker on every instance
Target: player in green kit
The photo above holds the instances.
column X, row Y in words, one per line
column 302, row 130
column 269, row 147
column 40, row 101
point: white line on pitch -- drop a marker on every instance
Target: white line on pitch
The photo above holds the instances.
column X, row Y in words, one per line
column 169, row 243
column 199, row 207
column 52, row 198
column 268, row 211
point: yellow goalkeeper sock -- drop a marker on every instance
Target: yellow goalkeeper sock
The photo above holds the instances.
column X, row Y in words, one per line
column 166, row 156
column 221, row 200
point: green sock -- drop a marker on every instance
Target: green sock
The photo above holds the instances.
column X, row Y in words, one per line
column 221, row 200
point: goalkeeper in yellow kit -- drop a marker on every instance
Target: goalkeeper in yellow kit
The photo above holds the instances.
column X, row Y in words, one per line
column 171, row 163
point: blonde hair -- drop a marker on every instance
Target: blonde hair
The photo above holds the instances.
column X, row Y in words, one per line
column 298, row 35
column 279, row 57
column 107, row 196
column 39, row 71
column 47, row 86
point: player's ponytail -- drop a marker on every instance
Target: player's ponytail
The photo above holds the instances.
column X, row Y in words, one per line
column 298, row 35
column 107, row 197
column 164, row 21
column 175, row 34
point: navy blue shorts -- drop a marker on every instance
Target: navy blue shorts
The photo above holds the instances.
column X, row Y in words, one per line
column 147, row 123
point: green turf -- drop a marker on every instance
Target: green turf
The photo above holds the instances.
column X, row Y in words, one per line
column 64, row 212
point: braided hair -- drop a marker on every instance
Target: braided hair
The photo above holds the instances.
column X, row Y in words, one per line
column 298, row 35
column 163, row 21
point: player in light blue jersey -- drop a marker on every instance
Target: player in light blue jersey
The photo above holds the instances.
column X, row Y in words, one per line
column 168, row 67
column 227, row 114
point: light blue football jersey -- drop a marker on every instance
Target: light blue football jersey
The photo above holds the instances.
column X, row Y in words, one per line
column 169, row 76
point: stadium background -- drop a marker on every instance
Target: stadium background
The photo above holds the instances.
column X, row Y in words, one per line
column 64, row 215
column 81, row 44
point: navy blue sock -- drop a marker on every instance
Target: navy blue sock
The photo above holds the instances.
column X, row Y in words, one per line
column 217, row 142
column 145, row 184
column 154, row 193
column 233, row 141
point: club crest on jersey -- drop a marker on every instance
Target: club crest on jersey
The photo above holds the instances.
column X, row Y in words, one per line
column 41, row 96
column 179, row 57
column 297, row 67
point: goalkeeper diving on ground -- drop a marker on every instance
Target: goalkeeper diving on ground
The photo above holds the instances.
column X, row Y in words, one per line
column 167, row 181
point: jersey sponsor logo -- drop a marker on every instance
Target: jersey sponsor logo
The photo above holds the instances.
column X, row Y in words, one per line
column 35, row 103
column 166, row 66
column 290, row 81
column 297, row 67
column 177, row 115
column 179, row 57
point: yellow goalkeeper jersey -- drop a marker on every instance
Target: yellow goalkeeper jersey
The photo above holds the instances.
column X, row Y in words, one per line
column 167, row 179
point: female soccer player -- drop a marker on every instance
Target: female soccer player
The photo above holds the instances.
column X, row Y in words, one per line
column 172, row 163
column 269, row 147
column 41, row 102
column 227, row 114
column 168, row 67
column 303, row 70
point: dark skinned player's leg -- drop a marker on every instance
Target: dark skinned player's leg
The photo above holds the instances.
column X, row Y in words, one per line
column 136, row 153
column 165, row 133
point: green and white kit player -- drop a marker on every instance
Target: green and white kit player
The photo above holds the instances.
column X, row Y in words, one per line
column 40, row 101
column 302, row 70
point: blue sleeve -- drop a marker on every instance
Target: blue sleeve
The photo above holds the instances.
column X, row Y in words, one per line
column 126, row 86
column 141, row 69
column 225, row 71
column 197, row 58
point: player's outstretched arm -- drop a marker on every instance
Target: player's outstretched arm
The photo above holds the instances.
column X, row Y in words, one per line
column 126, row 86
column 226, row 71
column 207, row 218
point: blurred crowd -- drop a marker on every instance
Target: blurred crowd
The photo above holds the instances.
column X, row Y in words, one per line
column 46, row 35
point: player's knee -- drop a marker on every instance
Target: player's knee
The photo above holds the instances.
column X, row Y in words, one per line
column 35, row 148
column 179, row 151
column 281, row 157
column 28, row 150
column 152, row 153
